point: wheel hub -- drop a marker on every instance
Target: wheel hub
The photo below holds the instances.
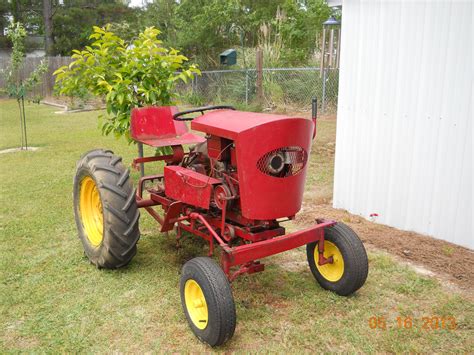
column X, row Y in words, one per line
column 334, row 269
column 196, row 304
column 90, row 208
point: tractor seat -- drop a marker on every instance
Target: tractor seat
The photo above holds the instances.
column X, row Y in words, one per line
column 154, row 126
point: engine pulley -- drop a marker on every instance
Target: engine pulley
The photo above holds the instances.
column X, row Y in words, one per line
column 222, row 194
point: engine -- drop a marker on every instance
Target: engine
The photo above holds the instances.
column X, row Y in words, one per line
column 259, row 159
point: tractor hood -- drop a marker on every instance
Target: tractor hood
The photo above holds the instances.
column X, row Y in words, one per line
column 229, row 123
column 258, row 137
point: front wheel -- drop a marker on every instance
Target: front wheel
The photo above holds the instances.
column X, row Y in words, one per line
column 348, row 271
column 207, row 301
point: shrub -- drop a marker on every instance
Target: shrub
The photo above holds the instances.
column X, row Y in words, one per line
column 126, row 74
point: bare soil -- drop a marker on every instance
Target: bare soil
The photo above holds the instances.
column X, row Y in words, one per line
column 452, row 262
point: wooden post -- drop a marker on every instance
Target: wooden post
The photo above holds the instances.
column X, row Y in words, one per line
column 323, row 50
column 259, row 65
column 338, row 50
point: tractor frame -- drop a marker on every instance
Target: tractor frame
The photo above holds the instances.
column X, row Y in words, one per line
column 244, row 256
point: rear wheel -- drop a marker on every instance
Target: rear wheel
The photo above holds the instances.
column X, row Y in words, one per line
column 105, row 209
column 348, row 271
column 207, row 301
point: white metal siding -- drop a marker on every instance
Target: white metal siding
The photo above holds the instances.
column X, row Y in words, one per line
column 404, row 129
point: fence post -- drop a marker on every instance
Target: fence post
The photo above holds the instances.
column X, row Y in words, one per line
column 323, row 50
column 323, row 102
column 246, row 87
column 259, row 64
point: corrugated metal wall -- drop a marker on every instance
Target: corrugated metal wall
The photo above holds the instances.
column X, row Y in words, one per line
column 404, row 130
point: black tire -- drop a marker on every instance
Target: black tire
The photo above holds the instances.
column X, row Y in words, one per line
column 356, row 264
column 120, row 215
column 220, row 325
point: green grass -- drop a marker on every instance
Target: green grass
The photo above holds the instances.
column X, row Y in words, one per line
column 53, row 300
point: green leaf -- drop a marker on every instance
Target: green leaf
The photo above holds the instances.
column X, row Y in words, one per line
column 120, row 98
column 125, row 78
column 60, row 70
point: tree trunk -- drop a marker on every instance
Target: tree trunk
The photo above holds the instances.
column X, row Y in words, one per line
column 21, row 125
column 16, row 11
column 48, row 27
column 24, row 120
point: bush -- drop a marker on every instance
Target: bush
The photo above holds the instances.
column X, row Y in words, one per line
column 127, row 75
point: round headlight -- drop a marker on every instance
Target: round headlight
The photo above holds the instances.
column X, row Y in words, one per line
column 276, row 162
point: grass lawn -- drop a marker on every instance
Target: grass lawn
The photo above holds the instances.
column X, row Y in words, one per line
column 52, row 299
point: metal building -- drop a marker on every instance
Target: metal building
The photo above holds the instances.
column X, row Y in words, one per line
column 404, row 129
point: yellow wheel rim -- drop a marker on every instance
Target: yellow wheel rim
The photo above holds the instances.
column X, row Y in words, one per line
column 90, row 207
column 196, row 304
column 330, row 271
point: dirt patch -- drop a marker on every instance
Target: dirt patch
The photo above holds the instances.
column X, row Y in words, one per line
column 89, row 104
column 14, row 150
column 443, row 258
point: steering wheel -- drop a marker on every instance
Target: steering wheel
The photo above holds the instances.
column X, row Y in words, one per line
column 177, row 116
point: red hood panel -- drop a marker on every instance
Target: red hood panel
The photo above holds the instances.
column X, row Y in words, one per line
column 262, row 197
column 229, row 123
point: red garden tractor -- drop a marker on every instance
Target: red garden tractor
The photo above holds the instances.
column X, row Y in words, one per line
column 233, row 187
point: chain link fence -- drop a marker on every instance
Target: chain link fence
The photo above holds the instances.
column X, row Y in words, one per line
column 287, row 88
column 290, row 89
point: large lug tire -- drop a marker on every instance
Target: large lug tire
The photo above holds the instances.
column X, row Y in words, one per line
column 206, row 297
column 105, row 209
column 350, row 266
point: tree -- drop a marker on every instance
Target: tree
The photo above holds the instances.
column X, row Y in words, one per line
column 161, row 14
column 27, row 12
column 17, row 86
column 48, row 27
column 65, row 24
column 4, row 7
column 74, row 20
column 203, row 28
column 127, row 74
column 36, row 17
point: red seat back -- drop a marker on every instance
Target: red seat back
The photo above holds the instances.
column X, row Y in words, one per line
column 155, row 123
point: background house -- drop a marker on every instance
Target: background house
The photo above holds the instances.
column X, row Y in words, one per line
column 404, row 130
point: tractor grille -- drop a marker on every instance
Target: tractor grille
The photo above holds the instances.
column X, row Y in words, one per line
column 292, row 159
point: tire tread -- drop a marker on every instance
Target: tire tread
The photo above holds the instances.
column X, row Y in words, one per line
column 121, row 215
column 221, row 293
column 355, row 260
